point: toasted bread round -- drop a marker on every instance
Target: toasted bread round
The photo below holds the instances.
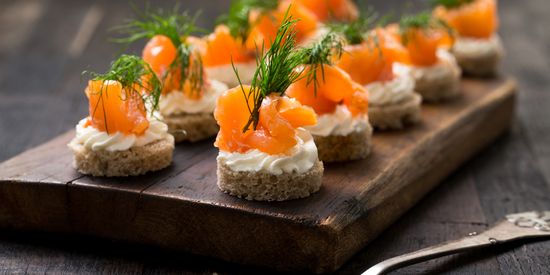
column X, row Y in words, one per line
column 479, row 66
column 482, row 64
column 354, row 146
column 132, row 162
column 261, row 186
column 396, row 116
column 191, row 127
column 439, row 87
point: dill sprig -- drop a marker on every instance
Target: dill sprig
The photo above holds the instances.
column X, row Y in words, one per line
column 319, row 54
column 136, row 78
column 355, row 32
column 175, row 25
column 276, row 70
column 423, row 21
column 451, row 4
column 238, row 17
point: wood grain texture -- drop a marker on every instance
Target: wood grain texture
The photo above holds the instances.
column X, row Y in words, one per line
column 181, row 207
column 462, row 203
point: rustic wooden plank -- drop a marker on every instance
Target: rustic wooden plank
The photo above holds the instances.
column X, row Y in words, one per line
column 452, row 208
column 44, row 53
column 527, row 48
column 525, row 43
column 31, row 113
column 48, row 163
column 48, row 170
column 87, row 256
column 29, row 121
column 95, row 198
column 181, row 207
column 16, row 21
column 509, row 181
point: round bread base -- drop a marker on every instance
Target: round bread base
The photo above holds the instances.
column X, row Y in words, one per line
column 260, row 186
column 396, row 116
column 437, row 89
column 132, row 162
column 191, row 127
column 485, row 65
column 354, row 146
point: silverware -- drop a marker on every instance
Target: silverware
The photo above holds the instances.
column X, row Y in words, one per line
column 514, row 227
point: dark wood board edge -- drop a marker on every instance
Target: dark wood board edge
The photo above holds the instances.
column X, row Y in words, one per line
column 34, row 206
column 168, row 223
column 159, row 221
column 501, row 105
column 32, row 166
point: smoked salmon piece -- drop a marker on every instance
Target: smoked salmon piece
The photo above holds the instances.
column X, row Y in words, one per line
column 422, row 43
column 478, row 19
column 307, row 20
column 305, row 93
column 373, row 59
column 295, row 113
column 160, row 53
column 342, row 10
column 334, row 88
column 263, row 29
column 265, row 24
column 113, row 109
column 392, row 52
column 221, row 48
column 358, row 102
column 276, row 130
column 363, row 62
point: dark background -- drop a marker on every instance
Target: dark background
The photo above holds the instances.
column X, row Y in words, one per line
column 45, row 45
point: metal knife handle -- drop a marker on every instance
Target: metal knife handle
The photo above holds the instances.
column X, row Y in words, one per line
column 465, row 244
column 515, row 226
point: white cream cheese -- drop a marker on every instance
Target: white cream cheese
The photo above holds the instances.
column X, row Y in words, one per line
column 339, row 123
column 400, row 89
column 301, row 158
column 476, row 47
column 445, row 68
column 226, row 74
column 176, row 102
column 93, row 139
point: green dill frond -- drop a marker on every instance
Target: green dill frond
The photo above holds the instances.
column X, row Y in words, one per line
column 136, row 78
column 355, row 31
column 276, row 70
column 238, row 16
column 323, row 50
column 423, row 21
column 451, row 4
column 321, row 53
column 175, row 25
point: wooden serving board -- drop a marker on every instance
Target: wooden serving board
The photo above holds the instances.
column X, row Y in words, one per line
column 182, row 208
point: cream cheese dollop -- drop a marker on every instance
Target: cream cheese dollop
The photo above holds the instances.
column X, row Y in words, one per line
column 477, row 47
column 226, row 74
column 339, row 123
column 176, row 102
column 93, row 139
column 445, row 68
column 300, row 159
column 395, row 91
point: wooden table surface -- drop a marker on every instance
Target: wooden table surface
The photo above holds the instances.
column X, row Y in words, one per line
column 45, row 44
